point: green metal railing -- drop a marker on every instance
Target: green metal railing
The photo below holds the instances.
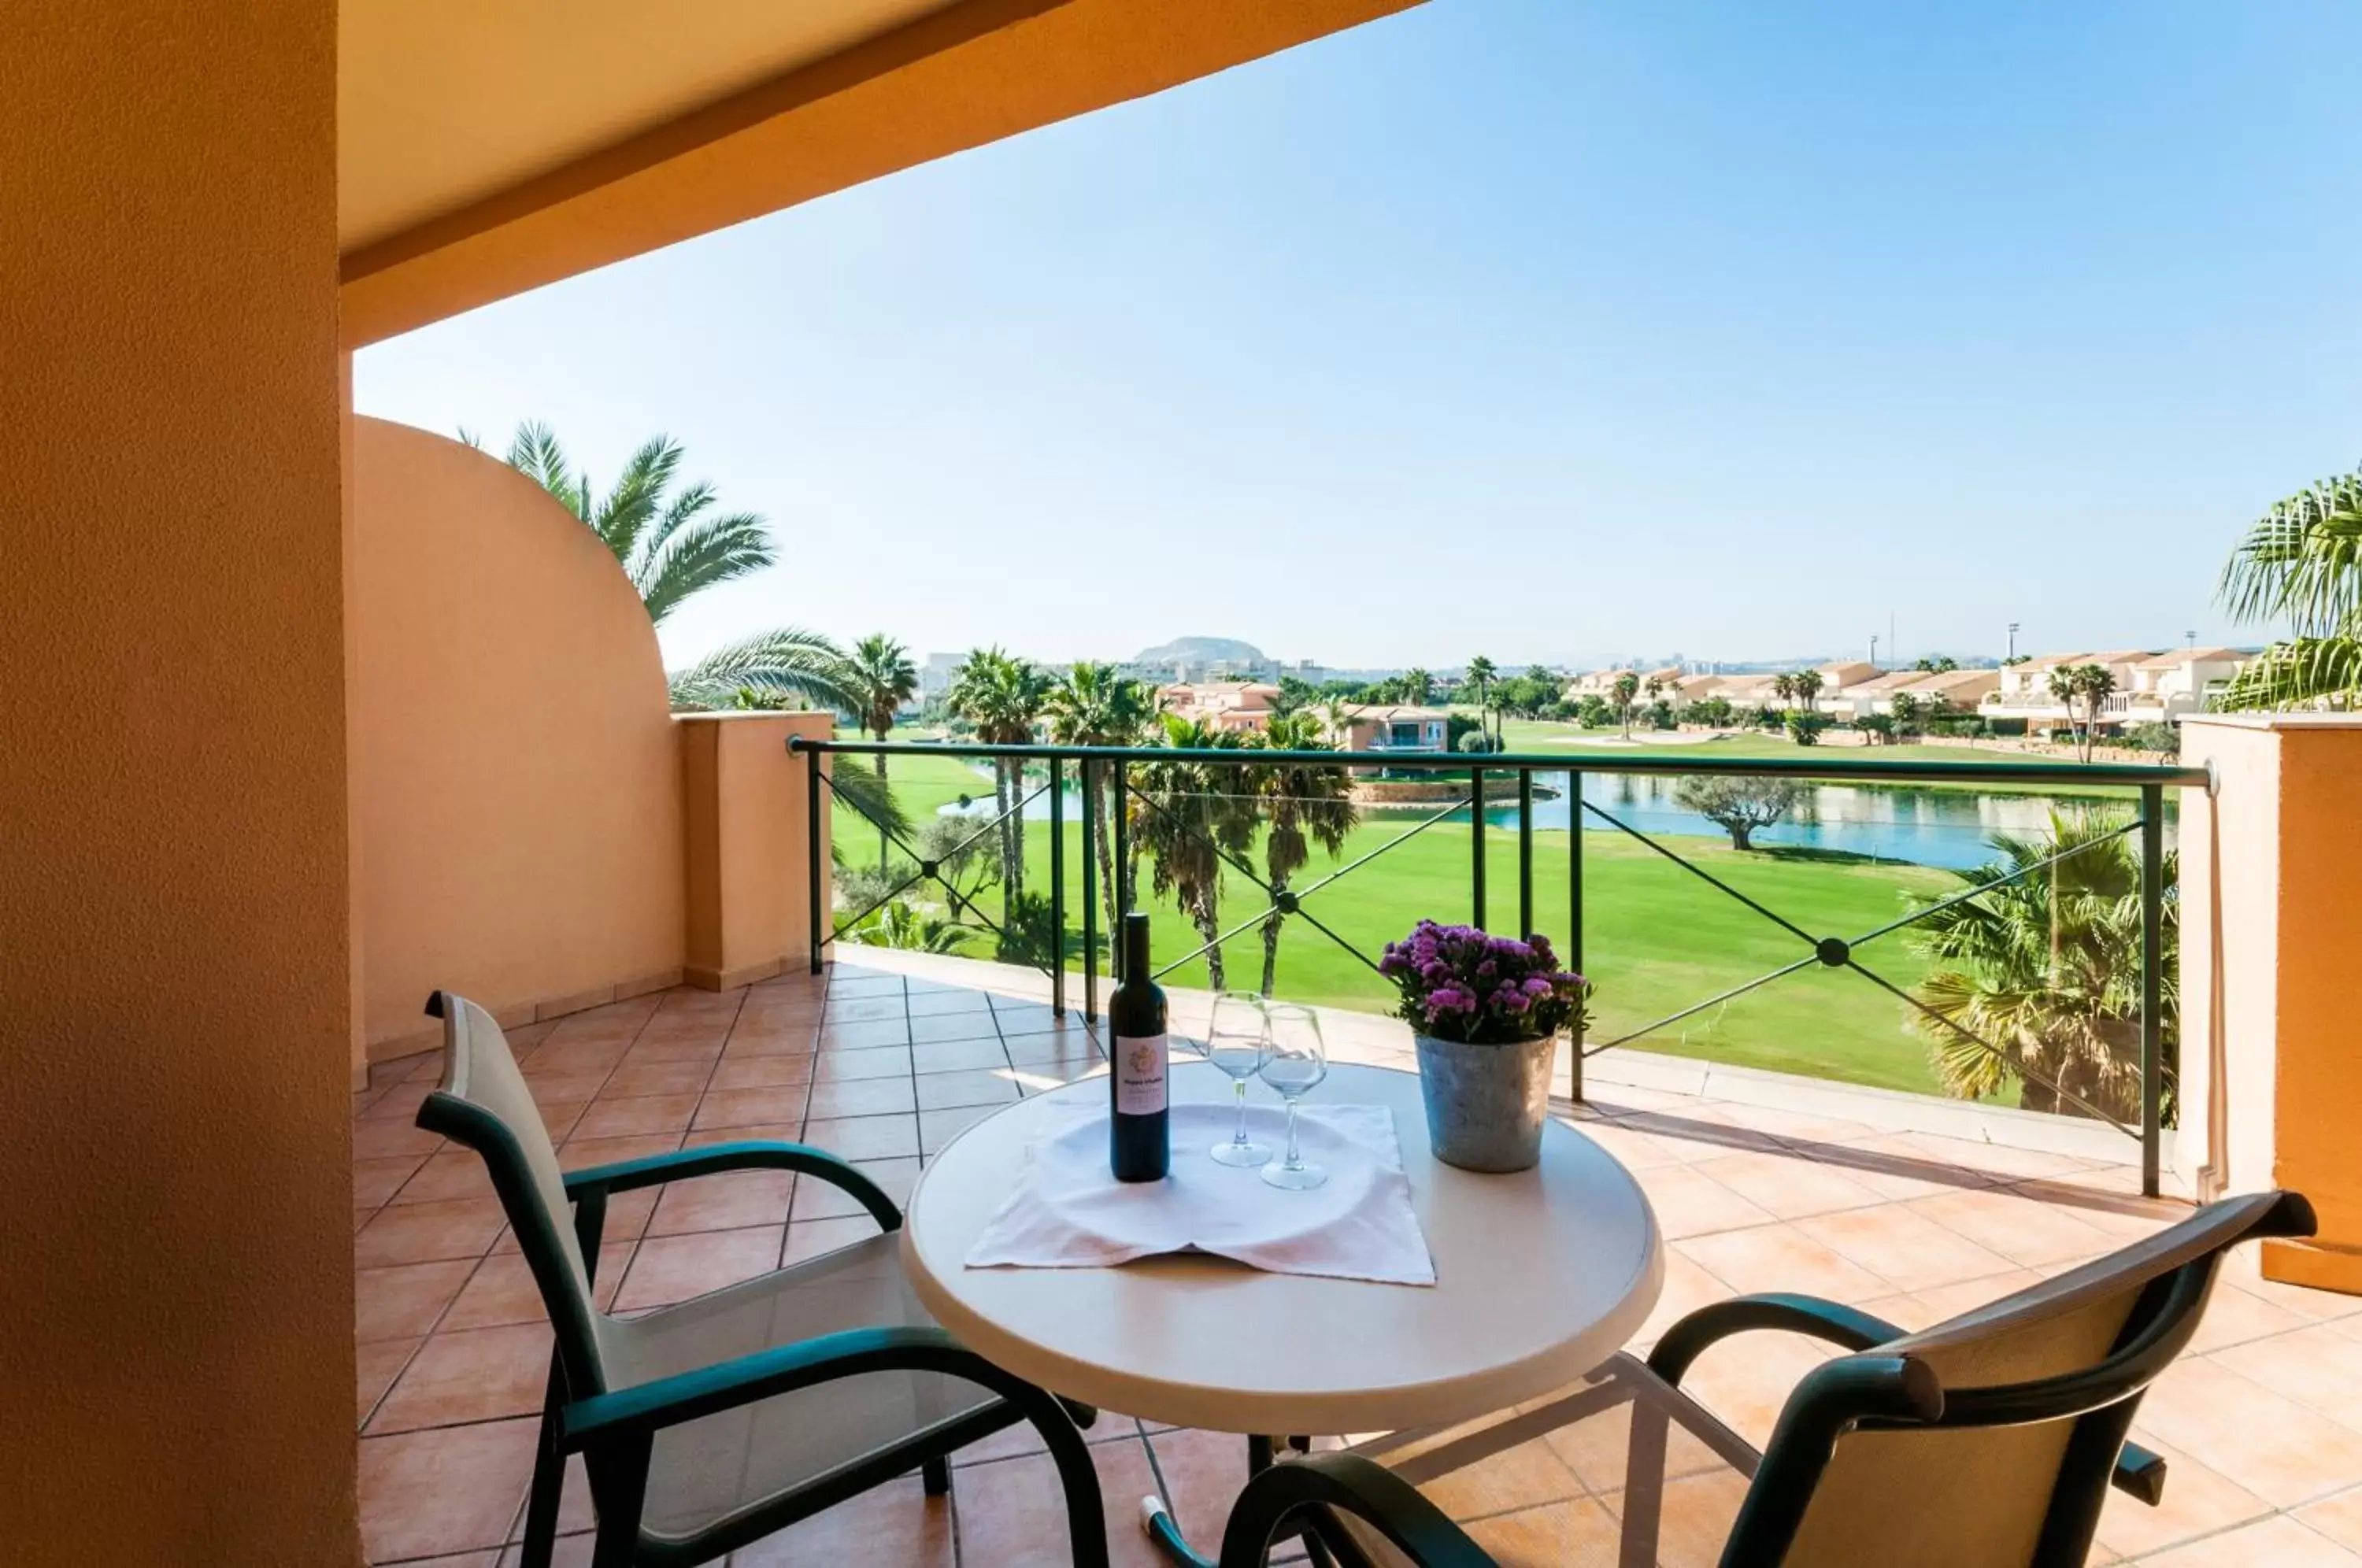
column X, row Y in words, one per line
column 1098, row 765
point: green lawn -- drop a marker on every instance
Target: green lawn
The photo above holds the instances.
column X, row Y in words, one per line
column 1658, row 938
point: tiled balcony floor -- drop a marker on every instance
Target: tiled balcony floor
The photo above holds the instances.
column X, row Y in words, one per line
column 2262, row 1426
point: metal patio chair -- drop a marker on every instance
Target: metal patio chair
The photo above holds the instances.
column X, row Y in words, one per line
column 1987, row 1441
column 708, row 1425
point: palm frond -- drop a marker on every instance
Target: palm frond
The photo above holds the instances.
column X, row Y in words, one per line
column 788, row 661
column 624, row 513
column 2307, row 672
column 684, row 562
column 533, row 451
column 863, row 790
column 2302, row 560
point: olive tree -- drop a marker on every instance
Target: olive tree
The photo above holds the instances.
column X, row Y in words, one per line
column 1739, row 805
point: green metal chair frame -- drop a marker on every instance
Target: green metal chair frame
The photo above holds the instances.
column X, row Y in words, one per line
column 1866, row 1391
column 615, row 1429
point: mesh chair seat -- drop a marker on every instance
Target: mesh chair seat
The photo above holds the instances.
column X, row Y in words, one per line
column 1619, row 1470
column 704, row 1471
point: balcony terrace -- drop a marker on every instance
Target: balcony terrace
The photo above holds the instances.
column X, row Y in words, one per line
column 890, row 1054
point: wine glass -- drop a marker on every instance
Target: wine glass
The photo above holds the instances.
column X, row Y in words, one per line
column 1237, row 1042
column 1297, row 1061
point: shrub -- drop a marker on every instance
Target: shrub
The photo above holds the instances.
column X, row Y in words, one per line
column 1805, row 728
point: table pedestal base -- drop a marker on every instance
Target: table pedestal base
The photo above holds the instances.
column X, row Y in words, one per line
column 1157, row 1521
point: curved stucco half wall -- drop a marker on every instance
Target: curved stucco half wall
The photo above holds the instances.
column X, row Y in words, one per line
column 519, row 781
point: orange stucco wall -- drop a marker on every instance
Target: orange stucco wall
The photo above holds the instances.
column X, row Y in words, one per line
column 519, row 800
column 749, row 830
column 2272, row 889
column 176, row 1356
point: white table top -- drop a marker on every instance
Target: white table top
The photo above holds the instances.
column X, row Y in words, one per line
column 1540, row 1277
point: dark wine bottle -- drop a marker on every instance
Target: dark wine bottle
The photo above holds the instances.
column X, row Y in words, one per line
column 1140, row 1139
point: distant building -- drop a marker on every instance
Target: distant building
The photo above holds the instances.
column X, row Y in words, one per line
column 935, row 672
column 2150, row 688
column 1373, row 726
column 1240, row 706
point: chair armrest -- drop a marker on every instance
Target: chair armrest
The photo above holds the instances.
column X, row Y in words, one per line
column 1686, row 1340
column 1348, row 1484
column 645, row 1408
column 682, row 1165
column 2139, row 1473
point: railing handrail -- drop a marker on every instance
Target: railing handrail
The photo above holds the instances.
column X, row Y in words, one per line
column 1867, row 769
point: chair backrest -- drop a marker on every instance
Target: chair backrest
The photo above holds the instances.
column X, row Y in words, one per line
column 484, row 1103
column 1988, row 1440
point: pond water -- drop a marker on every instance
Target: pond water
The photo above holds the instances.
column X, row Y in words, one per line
column 1927, row 826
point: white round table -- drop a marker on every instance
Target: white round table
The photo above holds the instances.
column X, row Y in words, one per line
column 1540, row 1277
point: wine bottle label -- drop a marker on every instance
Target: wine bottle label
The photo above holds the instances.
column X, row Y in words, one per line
column 1139, row 1075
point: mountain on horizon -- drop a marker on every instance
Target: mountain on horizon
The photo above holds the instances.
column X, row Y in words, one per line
column 1200, row 650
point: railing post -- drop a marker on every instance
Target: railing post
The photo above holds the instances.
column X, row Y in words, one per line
column 1525, row 852
column 1122, row 880
column 1090, row 891
column 1476, row 853
column 2152, row 964
column 815, row 865
column 1574, row 911
column 1057, row 887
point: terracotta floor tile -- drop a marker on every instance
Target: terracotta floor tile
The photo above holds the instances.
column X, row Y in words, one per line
column 885, row 1034
column 1687, row 1289
column 470, row 1375
column 759, row 1072
column 2279, row 1541
column 729, row 1202
column 398, row 1103
column 375, row 1367
column 702, row 1048
column 424, row 1233
column 896, row 1524
column 751, row 1107
column 442, row 1491
column 1906, row 1248
column 959, row 1055
column 668, row 1269
column 865, row 1009
column 1786, row 1187
column 1577, row 1530
column 864, row 1137
column 1746, row 1378
column 1202, row 1473
column 1525, row 1476
column 948, row 1091
column 376, row 1181
column 1012, row 1513
column 861, row 1096
column 1781, row 1257
column 2233, row 1317
column 570, row 1085
column 1695, row 1518
column 930, row 1004
column 599, row 1055
column 405, row 1301
column 635, row 1117
column 954, row 1026
column 937, row 1128
column 758, row 1132
column 393, row 1139
column 1948, row 1301
column 568, row 1552
column 2026, row 1232
column 639, row 1074
column 1053, row 1055
column 1634, row 1150
column 815, row 1199
column 581, row 1153
column 882, row 1062
column 2314, row 1365
column 455, row 1173
column 2274, row 1447
column 503, row 1291
column 1903, row 1165
column 810, row 1238
column 2198, row 1501
column 2338, row 1518
column 770, row 1040
column 1690, row 1203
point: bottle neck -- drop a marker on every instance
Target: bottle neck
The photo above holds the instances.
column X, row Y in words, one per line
column 1135, row 950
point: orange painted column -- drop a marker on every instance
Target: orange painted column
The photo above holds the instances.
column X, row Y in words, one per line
column 2271, row 887
column 746, row 815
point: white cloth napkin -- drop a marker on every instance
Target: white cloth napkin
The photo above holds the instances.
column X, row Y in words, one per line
column 1069, row 1211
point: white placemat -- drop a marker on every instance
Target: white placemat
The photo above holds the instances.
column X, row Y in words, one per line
column 1069, row 1211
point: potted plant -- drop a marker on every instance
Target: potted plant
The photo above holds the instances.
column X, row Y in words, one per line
column 1487, row 1012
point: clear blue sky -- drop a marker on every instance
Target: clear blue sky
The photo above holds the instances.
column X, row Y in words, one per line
column 1545, row 330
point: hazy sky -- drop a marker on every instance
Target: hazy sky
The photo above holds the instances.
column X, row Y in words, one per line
column 1544, row 329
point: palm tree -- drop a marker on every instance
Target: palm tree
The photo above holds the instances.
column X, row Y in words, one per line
column 883, row 679
column 673, row 549
column 1097, row 704
column 1805, row 687
column 1625, row 690
column 2090, row 685
column 1418, row 687
column 2301, row 562
column 1187, row 815
column 900, row 924
column 1481, row 673
column 1305, row 803
column 1783, row 686
column 2047, row 969
column 1000, row 695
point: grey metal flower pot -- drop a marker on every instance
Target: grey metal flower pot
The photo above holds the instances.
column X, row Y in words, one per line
column 1486, row 1104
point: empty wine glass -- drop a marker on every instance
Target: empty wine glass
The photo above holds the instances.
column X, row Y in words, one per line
column 1237, row 1040
column 1297, row 1061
